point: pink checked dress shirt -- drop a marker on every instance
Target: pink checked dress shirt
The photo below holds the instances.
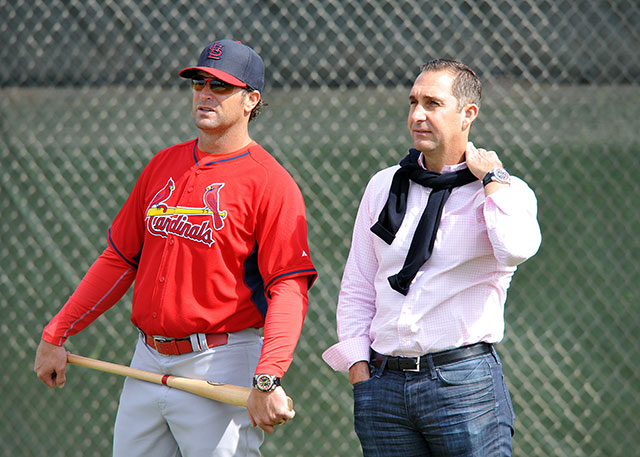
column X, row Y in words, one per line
column 458, row 296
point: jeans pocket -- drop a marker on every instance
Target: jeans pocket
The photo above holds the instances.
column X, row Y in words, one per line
column 469, row 371
column 362, row 383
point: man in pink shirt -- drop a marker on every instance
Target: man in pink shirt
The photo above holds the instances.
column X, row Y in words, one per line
column 435, row 244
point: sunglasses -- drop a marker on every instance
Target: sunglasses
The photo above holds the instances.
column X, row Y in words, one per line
column 217, row 86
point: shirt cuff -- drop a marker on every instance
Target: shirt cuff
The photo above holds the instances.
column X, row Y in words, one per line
column 507, row 200
column 342, row 355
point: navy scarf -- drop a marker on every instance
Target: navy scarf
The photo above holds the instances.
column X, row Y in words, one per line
column 394, row 210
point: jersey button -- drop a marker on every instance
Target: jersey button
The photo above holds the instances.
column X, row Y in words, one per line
column 155, row 315
column 161, row 279
column 190, row 189
column 171, row 242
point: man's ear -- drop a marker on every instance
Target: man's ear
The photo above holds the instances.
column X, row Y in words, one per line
column 470, row 114
column 251, row 99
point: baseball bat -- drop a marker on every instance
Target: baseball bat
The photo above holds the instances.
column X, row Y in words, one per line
column 226, row 393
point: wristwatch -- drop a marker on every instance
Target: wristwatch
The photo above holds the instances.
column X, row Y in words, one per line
column 499, row 175
column 265, row 382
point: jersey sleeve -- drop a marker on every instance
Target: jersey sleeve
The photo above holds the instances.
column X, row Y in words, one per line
column 283, row 250
column 288, row 305
column 104, row 284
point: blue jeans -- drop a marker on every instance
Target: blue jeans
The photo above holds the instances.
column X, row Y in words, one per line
column 459, row 409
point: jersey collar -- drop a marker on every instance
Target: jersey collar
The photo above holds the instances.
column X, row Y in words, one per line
column 202, row 159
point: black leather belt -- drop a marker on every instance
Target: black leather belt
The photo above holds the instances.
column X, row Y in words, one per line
column 439, row 358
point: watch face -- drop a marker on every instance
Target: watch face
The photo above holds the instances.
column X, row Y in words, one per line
column 264, row 382
column 502, row 175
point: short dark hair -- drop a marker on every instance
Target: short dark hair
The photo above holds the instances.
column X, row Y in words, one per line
column 466, row 88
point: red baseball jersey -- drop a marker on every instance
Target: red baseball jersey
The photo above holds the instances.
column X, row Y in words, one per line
column 209, row 235
column 207, row 239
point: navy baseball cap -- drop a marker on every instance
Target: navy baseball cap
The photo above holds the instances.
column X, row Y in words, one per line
column 231, row 62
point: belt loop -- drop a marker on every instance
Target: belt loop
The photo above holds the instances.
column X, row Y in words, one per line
column 199, row 342
column 495, row 354
column 380, row 370
column 373, row 355
column 432, row 367
column 204, row 344
column 195, row 343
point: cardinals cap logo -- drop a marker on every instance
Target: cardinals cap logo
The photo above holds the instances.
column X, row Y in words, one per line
column 215, row 51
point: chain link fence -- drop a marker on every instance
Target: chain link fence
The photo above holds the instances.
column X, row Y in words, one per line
column 89, row 92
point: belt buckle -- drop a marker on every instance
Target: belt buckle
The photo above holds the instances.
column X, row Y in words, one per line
column 417, row 368
column 161, row 339
column 162, row 345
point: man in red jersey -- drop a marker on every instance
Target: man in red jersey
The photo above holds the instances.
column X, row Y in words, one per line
column 214, row 234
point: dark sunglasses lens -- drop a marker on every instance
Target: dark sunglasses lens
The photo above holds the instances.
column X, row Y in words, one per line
column 214, row 84
column 220, row 86
column 198, row 83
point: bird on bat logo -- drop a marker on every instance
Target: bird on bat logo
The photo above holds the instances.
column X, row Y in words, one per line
column 162, row 196
column 211, row 200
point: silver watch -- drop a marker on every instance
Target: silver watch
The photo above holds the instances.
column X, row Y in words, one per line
column 499, row 175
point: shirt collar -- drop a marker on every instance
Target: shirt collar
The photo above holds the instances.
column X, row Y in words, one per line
column 446, row 168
